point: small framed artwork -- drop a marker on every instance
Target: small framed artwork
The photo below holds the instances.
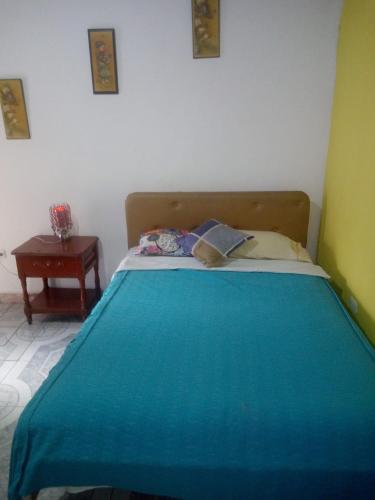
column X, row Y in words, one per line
column 206, row 28
column 103, row 61
column 13, row 108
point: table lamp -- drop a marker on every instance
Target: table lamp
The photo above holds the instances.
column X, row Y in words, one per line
column 61, row 220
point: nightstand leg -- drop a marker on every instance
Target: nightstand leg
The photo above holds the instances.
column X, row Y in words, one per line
column 97, row 279
column 27, row 306
column 82, row 285
column 45, row 284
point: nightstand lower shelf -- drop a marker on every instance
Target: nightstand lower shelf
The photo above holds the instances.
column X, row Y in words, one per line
column 62, row 301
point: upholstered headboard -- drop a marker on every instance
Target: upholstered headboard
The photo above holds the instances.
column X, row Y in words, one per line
column 286, row 212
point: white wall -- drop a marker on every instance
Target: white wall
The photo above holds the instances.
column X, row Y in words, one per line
column 257, row 118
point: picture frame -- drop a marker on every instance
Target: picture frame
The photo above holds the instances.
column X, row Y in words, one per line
column 13, row 107
column 102, row 46
column 206, row 28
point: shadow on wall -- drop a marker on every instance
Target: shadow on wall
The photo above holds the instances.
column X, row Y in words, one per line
column 313, row 232
column 344, row 292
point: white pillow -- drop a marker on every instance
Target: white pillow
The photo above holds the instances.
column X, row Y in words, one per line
column 270, row 245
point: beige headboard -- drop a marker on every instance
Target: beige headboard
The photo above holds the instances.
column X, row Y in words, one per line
column 286, row 212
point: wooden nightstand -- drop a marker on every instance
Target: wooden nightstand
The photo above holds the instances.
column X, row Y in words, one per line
column 48, row 257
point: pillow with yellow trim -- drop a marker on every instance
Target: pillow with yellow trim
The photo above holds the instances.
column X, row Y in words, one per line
column 212, row 242
column 270, row 245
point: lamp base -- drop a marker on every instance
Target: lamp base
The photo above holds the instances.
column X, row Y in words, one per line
column 63, row 234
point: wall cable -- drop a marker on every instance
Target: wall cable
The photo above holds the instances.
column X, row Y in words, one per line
column 7, row 270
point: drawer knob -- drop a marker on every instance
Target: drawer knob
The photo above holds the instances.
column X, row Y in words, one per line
column 48, row 263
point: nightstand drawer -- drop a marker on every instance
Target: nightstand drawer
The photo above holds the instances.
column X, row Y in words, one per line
column 53, row 267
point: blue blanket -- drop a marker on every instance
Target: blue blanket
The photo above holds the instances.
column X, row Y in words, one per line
column 207, row 385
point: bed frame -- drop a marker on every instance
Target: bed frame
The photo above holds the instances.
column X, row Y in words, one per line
column 286, row 212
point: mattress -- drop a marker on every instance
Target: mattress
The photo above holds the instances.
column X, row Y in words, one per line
column 207, row 385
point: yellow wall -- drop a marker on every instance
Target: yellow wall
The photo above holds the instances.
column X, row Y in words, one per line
column 347, row 238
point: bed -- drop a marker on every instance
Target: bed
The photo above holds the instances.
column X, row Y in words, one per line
column 248, row 381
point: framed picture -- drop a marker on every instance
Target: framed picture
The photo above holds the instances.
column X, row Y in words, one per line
column 103, row 61
column 13, row 108
column 206, row 28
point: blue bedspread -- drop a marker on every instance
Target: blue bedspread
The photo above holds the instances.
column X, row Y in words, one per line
column 207, row 385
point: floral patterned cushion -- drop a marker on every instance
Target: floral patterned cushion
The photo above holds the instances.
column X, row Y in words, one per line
column 167, row 242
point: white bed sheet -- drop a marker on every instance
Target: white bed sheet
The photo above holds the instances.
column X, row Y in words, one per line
column 133, row 262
